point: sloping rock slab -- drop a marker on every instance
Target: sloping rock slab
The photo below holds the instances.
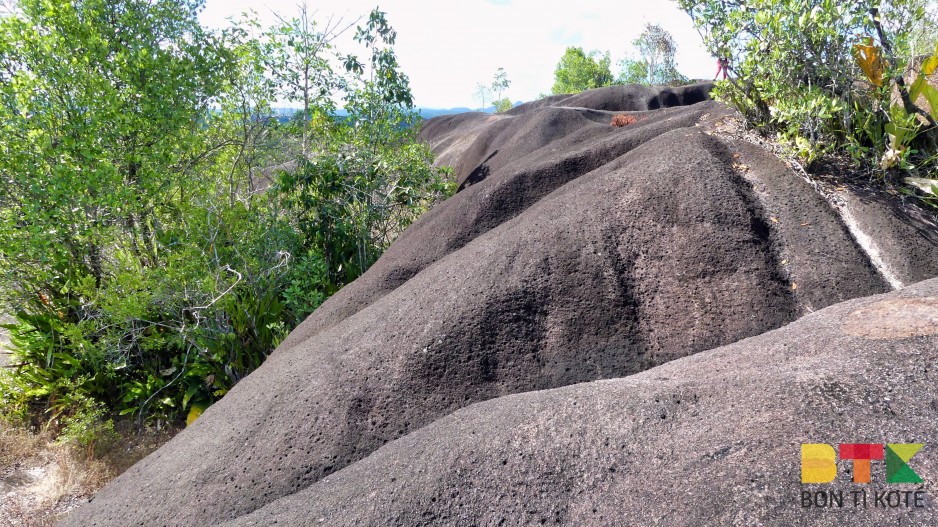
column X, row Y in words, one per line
column 512, row 161
column 660, row 252
column 712, row 439
column 903, row 240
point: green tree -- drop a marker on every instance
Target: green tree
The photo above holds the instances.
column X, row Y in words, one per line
column 657, row 49
column 499, row 84
column 632, row 71
column 242, row 122
column 369, row 180
column 148, row 264
column 924, row 32
column 101, row 105
column 578, row 71
column 297, row 55
column 103, row 112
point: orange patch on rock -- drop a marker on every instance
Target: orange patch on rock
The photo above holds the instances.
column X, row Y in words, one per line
column 898, row 318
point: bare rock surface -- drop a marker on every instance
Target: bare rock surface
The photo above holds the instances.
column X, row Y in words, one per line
column 575, row 251
column 711, row 439
column 903, row 241
column 507, row 162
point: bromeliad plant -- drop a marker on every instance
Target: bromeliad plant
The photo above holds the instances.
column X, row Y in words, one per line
column 905, row 119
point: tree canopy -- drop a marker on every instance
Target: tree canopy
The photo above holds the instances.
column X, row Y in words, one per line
column 657, row 49
column 160, row 230
column 500, row 83
column 578, row 71
column 655, row 63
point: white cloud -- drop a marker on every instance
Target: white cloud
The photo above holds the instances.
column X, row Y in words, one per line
column 447, row 46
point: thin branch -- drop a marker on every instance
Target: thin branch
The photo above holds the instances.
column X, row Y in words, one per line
column 192, row 344
column 219, row 297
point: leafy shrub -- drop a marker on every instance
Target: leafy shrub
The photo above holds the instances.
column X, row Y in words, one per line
column 308, row 285
column 503, row 105
column 825, row 76
column 89, row 427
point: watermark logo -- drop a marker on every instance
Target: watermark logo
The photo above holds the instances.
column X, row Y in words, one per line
column 819, row 466
column 819, row 461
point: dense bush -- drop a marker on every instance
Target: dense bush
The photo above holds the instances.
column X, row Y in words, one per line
column 829, row 76
column 160, row 231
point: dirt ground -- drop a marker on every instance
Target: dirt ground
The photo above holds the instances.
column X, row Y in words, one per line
column 41, row 480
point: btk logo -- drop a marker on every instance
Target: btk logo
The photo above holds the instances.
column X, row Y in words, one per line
column 819, row 461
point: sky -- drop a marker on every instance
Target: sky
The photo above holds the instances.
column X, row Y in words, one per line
column 447, row 47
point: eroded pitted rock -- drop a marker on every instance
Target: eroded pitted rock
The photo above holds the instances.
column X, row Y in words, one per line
column 712, row 439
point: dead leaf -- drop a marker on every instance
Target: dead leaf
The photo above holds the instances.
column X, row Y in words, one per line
column 868, row 57
column 930, row 65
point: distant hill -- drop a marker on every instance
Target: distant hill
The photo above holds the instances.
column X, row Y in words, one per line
column 429, row 113
column 284, row 114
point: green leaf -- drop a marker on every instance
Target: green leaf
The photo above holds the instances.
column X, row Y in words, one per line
column 189, row 393
column 68, row 359
column 916, row 89
column 931, row 94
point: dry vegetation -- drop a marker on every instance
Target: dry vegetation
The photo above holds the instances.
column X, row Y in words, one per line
column 621, row 120
column 41, row 480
